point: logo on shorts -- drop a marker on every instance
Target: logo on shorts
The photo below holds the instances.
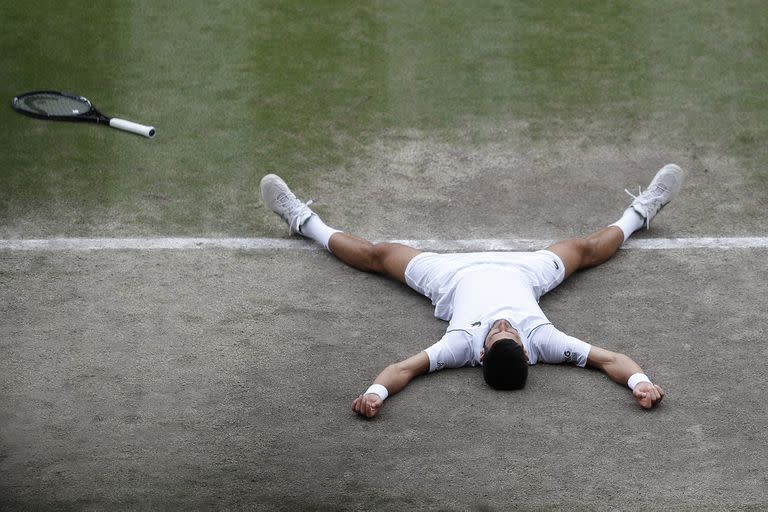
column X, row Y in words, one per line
column 556, row 265
column 476, row 324
column 567, row 355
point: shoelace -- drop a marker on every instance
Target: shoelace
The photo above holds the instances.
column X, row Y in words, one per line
column 294, row 213
column 652, row 196
column 633, row 196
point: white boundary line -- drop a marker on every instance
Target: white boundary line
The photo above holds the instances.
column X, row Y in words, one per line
column 295, row 244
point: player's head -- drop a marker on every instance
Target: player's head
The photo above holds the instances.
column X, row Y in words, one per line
column 505, row 360
column 505, row 365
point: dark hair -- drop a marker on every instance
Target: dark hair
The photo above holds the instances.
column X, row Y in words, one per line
column 505, row 366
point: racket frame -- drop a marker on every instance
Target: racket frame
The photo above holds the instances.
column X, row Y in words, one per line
column 92, row 115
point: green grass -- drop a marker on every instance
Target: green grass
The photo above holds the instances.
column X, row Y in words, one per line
column 245, row 88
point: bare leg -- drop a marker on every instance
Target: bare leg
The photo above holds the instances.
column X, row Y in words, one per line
column 597, row 248
column 384, row 258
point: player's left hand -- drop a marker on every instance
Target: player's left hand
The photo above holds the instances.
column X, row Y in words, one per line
column 367, row 405
column 648, row 395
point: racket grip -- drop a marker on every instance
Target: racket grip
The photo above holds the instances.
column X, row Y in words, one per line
column 130, row 126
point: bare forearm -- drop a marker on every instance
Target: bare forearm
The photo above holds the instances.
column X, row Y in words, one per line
column 618, row 367
column 393, row 378
column 396, row 377
column 621, row 369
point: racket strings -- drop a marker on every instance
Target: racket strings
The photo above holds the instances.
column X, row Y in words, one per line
column 54, row 105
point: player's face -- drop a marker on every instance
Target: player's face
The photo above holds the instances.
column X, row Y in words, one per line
column 502, row 330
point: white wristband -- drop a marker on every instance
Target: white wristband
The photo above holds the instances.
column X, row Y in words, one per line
column 378, row 389
column 636, row 379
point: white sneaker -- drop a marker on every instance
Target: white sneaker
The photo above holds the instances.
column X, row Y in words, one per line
column 279, row 198
column 663, row 189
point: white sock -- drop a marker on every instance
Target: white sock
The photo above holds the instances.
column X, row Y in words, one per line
column 630, row 222
column 316, row 229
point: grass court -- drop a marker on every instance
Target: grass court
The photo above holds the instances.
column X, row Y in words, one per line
column 194, row 379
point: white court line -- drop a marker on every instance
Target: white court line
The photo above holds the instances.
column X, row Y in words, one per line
column 296, row 244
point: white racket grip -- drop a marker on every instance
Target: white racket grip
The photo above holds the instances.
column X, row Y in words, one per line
column 130, row 126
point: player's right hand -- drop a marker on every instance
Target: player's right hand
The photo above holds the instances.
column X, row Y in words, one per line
column 648, row 395
column 367, row 405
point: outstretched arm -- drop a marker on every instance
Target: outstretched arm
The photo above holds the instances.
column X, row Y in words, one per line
column 619, row 369
column 393, row 378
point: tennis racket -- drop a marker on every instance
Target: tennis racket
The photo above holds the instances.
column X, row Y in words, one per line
column 62, row 106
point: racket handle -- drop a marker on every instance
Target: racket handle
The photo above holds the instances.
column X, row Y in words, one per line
column 129, row 126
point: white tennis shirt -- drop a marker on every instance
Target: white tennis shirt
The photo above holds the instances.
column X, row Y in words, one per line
column 478, row 296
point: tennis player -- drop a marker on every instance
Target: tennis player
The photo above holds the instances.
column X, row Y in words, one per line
column 489, row 299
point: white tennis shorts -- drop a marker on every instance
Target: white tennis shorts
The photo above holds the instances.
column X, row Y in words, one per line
column 436, row 275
